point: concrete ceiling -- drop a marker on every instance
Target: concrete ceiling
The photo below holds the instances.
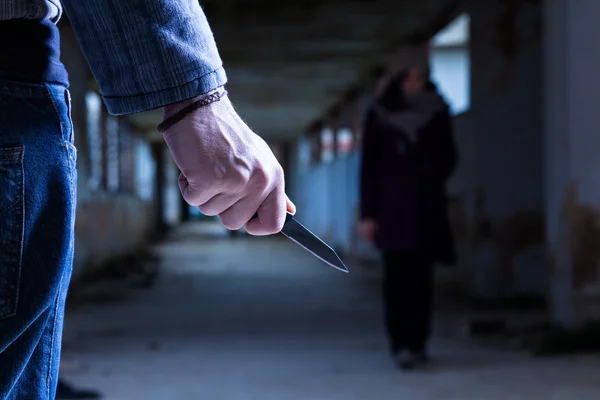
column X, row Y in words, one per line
column 288, row 62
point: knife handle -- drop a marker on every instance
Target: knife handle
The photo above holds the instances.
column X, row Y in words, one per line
column 288, row 216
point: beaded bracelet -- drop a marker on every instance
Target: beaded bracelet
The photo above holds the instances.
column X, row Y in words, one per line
column 179, row 115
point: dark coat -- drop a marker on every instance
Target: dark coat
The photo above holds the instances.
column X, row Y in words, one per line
column 403, row 184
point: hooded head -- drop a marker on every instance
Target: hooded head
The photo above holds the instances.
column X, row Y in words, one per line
column 407, row 75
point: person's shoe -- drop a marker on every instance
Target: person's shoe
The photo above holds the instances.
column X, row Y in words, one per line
column 421, row 357
column 65, row 391
column 405, row 360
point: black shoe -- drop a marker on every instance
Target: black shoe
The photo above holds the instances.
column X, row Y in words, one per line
column 405, row 360
column 64, row 391
column 421, row 357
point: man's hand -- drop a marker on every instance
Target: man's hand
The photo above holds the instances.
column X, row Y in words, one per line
column 226, row 169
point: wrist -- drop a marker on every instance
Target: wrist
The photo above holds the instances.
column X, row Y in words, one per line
column 172, row 109
column 176, row 112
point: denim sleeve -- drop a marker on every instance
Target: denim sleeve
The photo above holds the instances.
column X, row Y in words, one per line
column 147, row 53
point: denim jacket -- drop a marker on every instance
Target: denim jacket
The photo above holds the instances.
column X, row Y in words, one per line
column 143, row 53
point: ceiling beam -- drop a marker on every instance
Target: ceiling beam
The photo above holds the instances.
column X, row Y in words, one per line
column 290, row 62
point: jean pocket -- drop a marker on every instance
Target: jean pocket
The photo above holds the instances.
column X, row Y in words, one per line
column 11, row 227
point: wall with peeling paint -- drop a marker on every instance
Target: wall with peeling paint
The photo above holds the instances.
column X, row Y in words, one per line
column 497, row 206
column 572, row 118
column 107, row 224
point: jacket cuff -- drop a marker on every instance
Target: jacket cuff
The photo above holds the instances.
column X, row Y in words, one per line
column 147, row 101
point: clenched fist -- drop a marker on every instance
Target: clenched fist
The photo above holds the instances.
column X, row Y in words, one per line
column 226, row 169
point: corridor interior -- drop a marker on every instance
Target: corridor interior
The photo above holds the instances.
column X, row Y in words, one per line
column 249, row 318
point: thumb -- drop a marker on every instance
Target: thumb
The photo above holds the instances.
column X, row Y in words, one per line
column 290, row 207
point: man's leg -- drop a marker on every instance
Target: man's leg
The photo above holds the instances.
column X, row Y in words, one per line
column 37, row 214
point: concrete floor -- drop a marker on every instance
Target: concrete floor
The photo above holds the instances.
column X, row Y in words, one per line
column 260, row 319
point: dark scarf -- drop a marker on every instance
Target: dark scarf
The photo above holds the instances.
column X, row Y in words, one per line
column 419, row 110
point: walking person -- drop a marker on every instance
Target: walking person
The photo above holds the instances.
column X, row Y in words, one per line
column 408, row 153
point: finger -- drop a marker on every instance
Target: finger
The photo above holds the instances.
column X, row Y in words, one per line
column 219, row 204
column 183, row 186
column 271, row 214
column 290, row 207
column 239, row 213
column 194, row 195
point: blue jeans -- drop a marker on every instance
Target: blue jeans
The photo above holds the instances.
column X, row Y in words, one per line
column 37, row 215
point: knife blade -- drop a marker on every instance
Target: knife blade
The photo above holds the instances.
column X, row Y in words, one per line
column 299, row 234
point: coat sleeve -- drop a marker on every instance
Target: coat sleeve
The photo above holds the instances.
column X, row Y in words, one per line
column 147, row 53
column 369, row 174
column 449, row 158
column 441, row 151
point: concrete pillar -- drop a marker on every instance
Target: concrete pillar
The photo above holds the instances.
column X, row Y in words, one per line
column 499, row 185
column 158, row 152
column 327, row 144
column 79, row 77
column 185, row 209
column 286, row 163
column 172, row 204
column 104, row 127
column 572, row 120
column 301, row 153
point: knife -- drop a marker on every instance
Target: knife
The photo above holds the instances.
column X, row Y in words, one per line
column 297, row 233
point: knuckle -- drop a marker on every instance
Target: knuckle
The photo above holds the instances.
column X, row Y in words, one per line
column 236, row 179
column 279, row 174
column 261, row 178
column 239, row 176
